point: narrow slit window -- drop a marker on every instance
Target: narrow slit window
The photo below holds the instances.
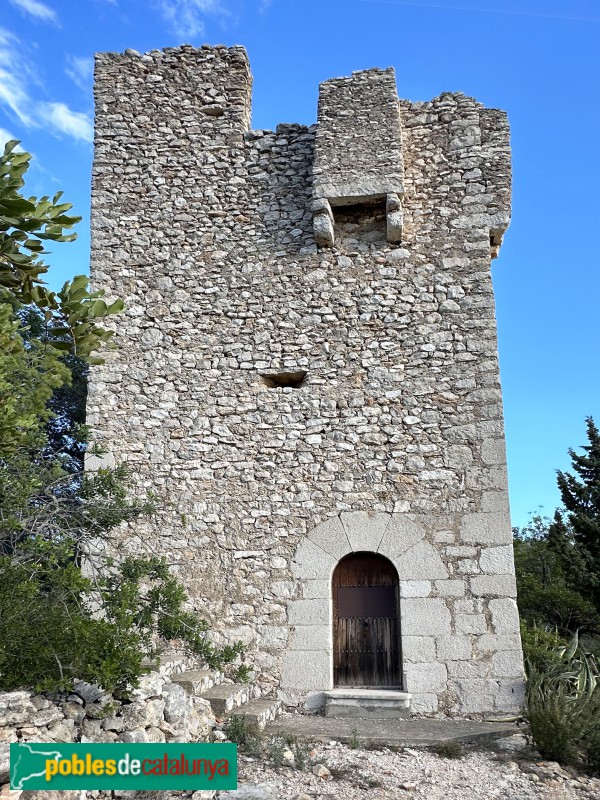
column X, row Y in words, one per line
column 292, row 379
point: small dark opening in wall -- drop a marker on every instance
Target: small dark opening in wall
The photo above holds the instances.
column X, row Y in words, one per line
column 361, row 222
column 293, row 379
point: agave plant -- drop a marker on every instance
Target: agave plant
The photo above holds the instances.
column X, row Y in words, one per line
column 574, row 672
column 563, row 707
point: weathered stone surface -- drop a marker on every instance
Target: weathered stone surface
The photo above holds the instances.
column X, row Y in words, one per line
column 497, row 560
column 4, row 762
column 497, row 585
column 15, row 708
column 311, row 561
column 426, row 677
column 295, row 396
column 331, row 537
column 401, row 534
column 137, row 736
column 308, row 637
column 177, row 705
column 150, row 685
column 450, row 588
column 475, row 695
column 415, row 588
column 508, row 664
column 418, row 649
column 470, row 623
column 421, row 562
column 73, row 711
column 307, row 669
column 365, row 529
column 105, row 719
column 488, row 528
column 424, row 617
column 358, row 152
column 311, row 612
column 453, row 648
column 505, row 616
column 89, row 692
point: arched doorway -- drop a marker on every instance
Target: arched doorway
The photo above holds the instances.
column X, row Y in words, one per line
column 366, row 624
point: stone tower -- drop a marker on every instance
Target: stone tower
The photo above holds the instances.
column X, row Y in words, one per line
column 307, row 372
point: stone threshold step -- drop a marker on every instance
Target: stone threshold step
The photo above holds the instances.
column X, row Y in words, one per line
column 391, row 733
column 198, row 681
column 168, row 664
column 258, row 713
column 225, row 697
column 348, row 703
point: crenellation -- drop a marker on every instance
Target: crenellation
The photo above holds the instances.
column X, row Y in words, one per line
column 356, row 251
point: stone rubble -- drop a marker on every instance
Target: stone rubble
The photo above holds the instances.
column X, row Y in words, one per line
column 158, row 711
column 357, row 774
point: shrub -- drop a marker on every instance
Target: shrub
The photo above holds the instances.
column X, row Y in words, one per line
column 244, row 735
column 59, row 625
column 449, row 749
column 541, row 647
column 564, row 707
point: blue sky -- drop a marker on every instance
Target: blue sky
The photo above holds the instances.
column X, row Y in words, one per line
column 537, row 59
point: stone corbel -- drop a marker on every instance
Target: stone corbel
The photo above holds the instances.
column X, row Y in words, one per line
column 323, row 223
column 496, row 236
column 395, row 218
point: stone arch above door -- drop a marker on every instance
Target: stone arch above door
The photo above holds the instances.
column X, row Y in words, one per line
column 308, row 661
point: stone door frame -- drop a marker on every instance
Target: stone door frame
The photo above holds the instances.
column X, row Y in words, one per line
column 308, row 660
column 365, row 591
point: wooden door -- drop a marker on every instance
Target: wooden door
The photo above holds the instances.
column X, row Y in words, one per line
column 366, row 626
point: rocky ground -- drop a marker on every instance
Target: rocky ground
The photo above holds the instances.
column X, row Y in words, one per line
column 508, row 770
column 335, row 770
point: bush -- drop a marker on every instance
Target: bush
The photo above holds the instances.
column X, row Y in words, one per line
column 541, row 647
column 564, row 727
column 59, row 625
column 449, row 749
column 563, row 701
column 244, row 735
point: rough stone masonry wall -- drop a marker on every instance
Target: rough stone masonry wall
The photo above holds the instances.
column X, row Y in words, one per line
column 157, row 711
column 358, row 140
column 395, row 439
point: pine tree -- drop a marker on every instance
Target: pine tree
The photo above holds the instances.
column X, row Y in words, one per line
column 580, row 494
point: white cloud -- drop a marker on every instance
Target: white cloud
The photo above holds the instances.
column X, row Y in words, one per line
column 186, row 17
column 14, row 95
column 16, row 79
column 8, row 45
column 7, row 136
column 36, row 9
column 80, row 70
column 64, row 120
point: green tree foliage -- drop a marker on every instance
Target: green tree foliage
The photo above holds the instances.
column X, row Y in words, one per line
column 549, row 589
column 71, row 316
column 580, row 493
column 29, row 375
column 541, row 647
column 65, row 426
column 59, row 625
column 66, row 611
